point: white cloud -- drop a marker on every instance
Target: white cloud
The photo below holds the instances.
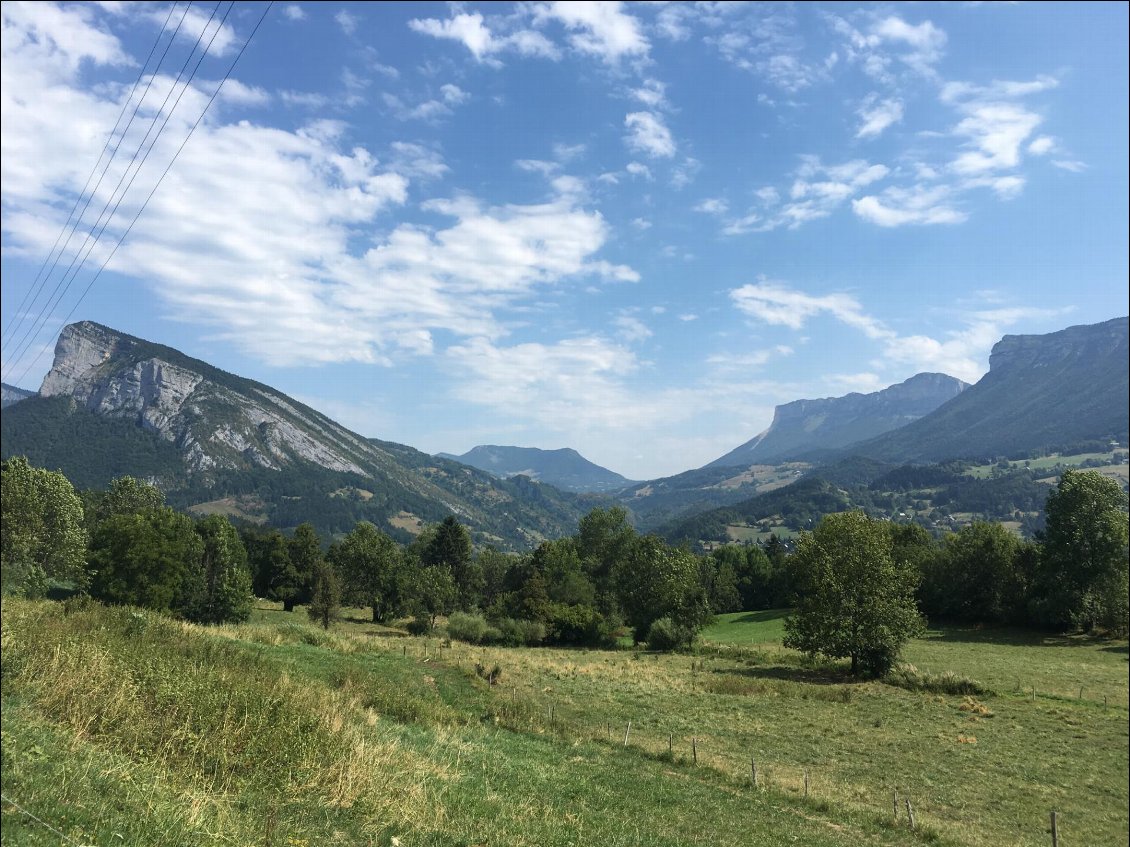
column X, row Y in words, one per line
column 652, row 94
column 568, row 152
column 602, row 29
column 1041, row 146
column 713, row 206
column 648, row 134
column 463, row 27
column 816, row 192
column 996, row 132
column 962, row 353
column 876, row 115
column 347, row 22
column 641, row 224
column 631, row 329
column 926, row 41
column 775, row 303
column 453, row 95
column 953, row 92
column 901, row 206
column 1074, row 166
column 635, row 169
column 224, row 254
column 294, row 12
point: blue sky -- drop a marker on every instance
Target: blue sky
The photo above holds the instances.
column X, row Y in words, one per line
column 631, row 229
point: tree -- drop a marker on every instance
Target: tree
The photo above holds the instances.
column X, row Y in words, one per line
column 369, row 564
column 304, row 550
column 655, row 581
column 604, row 537
column 127, row 496
column 1083, row 574
column 325, row 595
column 227, row 581
column 451, row 548
column 152, row 558
column 275, row 575
column 976, row 575
column 41, row 529
column 433, row 593
column 855, row 599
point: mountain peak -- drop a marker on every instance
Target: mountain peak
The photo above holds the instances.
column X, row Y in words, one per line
column 805, row 426
column 564, row 467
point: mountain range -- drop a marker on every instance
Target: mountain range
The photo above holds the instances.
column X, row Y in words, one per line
column 565, row 468
column 113, row 404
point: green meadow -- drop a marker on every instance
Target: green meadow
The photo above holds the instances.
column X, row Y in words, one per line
column 121, row 727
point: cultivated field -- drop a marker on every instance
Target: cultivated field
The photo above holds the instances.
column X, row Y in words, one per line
column 121, row 727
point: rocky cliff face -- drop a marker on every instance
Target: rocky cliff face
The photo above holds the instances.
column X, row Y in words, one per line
column 807, row 425
column 217, row 420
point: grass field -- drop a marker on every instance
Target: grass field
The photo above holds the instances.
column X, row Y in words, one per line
column 120, row 727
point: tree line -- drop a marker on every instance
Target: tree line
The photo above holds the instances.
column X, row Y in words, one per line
column 860, row 587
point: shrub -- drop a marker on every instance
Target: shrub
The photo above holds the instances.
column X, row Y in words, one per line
column 519, row 633
column 421, row 625
column 666, row 635
column 577, row 624
column 470, row 628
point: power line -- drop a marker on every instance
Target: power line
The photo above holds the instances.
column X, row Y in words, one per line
column 92, row 238
column 9, row 331
column 161, row 179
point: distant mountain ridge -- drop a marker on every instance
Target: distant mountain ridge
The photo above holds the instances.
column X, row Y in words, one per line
column 214, row 436
column 803, row 427
column 10, row 395
column 564, row 468
column 1042, row 392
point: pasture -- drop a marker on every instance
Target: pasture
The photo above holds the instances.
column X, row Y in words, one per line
column 122, row 727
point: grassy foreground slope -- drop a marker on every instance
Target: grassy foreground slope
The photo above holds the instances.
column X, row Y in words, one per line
column 120, row 727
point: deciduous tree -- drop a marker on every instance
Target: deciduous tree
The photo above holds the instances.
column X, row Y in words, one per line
column 42, row 538
column 855, row 599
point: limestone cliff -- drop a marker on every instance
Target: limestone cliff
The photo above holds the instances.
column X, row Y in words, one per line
column 217, row 420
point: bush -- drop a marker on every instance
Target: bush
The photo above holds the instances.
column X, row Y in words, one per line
column 666, row 635
column 519, row 633
column 578, row 625
column 470, row 628
column 421, row 625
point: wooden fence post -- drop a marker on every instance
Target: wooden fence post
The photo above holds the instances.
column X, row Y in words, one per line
column 909, row 813
column 694, row 749
column 627, row 732
column 753, row 771
column 671, row 746
column 1055, row 829
column 806, row 783
column 895, row 800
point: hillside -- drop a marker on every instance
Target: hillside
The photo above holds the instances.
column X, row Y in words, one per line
column 1068, row 389
column 565, row 468
column 113, row 404
column 805, row 427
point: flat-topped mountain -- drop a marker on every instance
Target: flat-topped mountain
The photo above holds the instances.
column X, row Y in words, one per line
column 114, row 404
column 804, row 427
column 565, row 468
column 1049, row 392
